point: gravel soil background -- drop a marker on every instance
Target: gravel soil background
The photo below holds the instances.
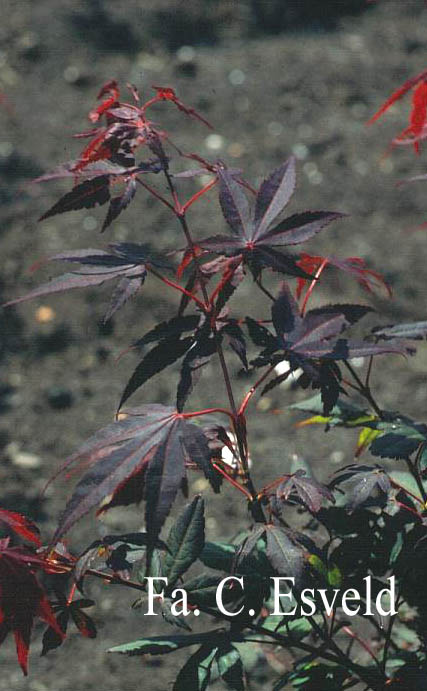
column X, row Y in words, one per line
column 303, row 80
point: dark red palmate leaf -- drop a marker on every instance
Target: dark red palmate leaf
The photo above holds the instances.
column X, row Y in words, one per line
column 274, row 194
column 125, row 261
column 118, row 204
column 416, row 331
column 154, row 438
column 111, row 89
column 315, row 334
column 165, row 93
column 86, row 195
column 126, row 289
column 22, row 599
column 254, row 234
column 355, row 266
column 21, row 525
column 366, row 482
column 64, row 611
column 398, row 94
column 284, row 554
column 418, row 115
column 306, row 489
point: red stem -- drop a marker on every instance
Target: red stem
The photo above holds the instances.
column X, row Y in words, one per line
column 208, row 411
column 408, row 508
column 198, row 194
column 222, row 283
column 406, row 491
column 312, row 285
column 71, row 595
column 252, row 390
column 361, row 642
column 174, row 285
column 273, row 484
column 232, row 481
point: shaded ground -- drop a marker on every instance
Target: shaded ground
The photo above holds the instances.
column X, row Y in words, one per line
column 310, row 91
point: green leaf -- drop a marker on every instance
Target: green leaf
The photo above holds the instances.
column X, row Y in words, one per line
column 154, row 568
column 221, row 557
column 196, row 673
column 202, row 590
column 284, row 555
column 313, row 676
column 399, row 444
column 230, row 667
column 343, row 414
column 160, row 645
column 185, row 541
column 218, row 556
column 332, row 575
column 406, row 480
column 297, row 629
column 423, row 458
column 366, row 437
column 173, row 619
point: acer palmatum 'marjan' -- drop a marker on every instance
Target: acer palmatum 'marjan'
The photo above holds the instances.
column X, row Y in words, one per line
column 363, row 524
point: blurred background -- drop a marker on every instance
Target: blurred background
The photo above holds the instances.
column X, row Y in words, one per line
column 274, row 77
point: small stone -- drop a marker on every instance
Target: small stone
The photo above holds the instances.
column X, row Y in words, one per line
column 264, row 404
column 71, row 74
column 300, row 151
column 90, row 223
column 357, row 362
column 236, row 77
column 200, row 485
column 337, row 457
column 24, row 459
column 214, row 142
column 44, row 314
column 212, row 524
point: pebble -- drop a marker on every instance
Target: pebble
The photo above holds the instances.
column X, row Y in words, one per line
column 23, row 459
column 214, row 142
column 200, row 485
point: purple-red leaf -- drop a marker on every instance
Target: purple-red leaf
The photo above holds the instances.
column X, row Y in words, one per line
column 284, row 554
column 86, row 195
column 274, row 195
column 152, row 438
column 21, row 600
column 416, row 331
column 118, row 204
column 298, row 228
column 234, row 204
column 197, row 357
column 251, row 234
column 89, row 276
column 306, row 489
column 285, row 313
column 92, row 170
column 366, row 480
column 21, row 525
column 165, row 353
column 126, row 289
column 125, row 261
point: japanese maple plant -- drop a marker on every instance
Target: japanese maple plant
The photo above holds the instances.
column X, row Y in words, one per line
column 301, row 536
